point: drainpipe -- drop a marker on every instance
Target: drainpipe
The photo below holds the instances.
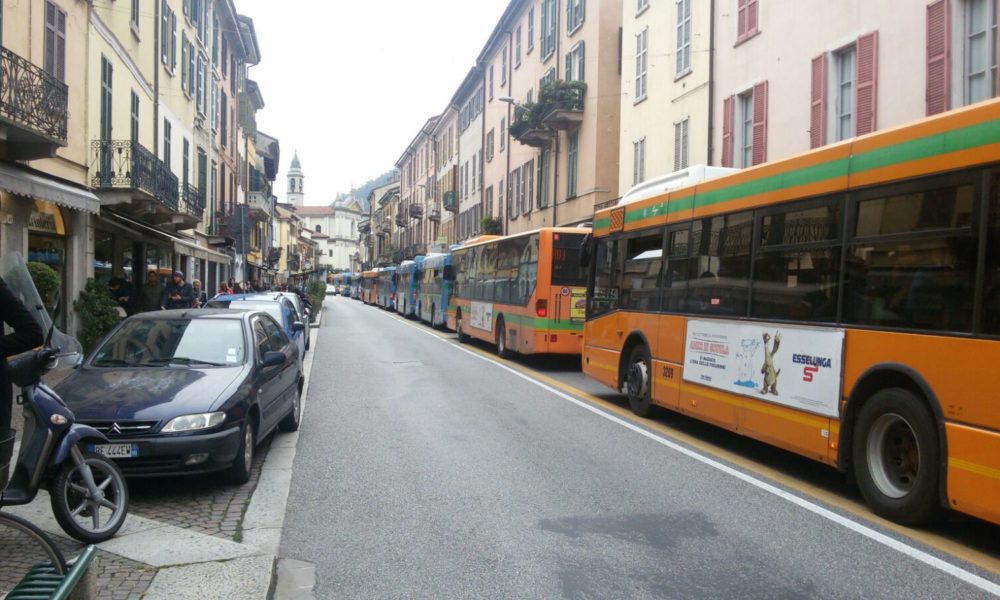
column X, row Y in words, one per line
column 711, row 80
column 510, row 108
column 555, row 152
column 156, row 78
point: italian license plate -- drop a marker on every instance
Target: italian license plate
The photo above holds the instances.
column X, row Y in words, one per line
column 116, row 450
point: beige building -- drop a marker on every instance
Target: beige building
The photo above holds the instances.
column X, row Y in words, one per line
column 446, row 175
column 469, row 101
column 561, row 160
column 665, row 98
column 799, row 74
column 47, row 212
column 384, row 204
column 415, row 232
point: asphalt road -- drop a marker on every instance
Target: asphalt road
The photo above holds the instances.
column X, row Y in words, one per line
column 426, row 471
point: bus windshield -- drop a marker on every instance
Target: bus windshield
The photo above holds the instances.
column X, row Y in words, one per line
column 566, row 269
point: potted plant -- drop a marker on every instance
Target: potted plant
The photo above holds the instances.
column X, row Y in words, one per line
column 490, row 225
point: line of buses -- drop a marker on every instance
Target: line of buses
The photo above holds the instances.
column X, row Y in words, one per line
column 843, row 304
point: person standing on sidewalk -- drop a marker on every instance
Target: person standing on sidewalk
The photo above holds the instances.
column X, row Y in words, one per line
column 200, row 297
column 27, row 334
column 152, row 293
column 178, row 294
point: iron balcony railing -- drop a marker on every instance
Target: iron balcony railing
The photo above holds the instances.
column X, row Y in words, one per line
column 416, row 211
column 125, row 164
column 192, row 200
column 31, row 97
column 450, row 201
column 434, row 214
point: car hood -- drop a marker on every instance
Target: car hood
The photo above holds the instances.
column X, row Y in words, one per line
column 146, row 393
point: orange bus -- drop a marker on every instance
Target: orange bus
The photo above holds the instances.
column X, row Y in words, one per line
column 843, row 304
column 369, row 283
column 524, row 292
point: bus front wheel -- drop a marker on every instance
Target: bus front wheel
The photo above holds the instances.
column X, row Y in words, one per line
column 637, row 379
column 897, row 457
column 460, row 329
column 502, row 350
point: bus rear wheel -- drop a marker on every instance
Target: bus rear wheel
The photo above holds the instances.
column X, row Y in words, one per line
column 637, row 382
column 502, row 350
column 897, row 457
column 460, row 329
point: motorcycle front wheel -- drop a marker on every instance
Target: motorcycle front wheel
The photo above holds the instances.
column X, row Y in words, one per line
column 90, row 508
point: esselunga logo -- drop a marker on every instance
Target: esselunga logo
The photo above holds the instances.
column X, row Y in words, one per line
column 812, row 364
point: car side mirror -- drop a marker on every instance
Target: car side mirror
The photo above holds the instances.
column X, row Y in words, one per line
column 273, row 358
column 298, row 326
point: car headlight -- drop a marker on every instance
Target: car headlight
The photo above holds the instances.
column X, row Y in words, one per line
column 194, row 422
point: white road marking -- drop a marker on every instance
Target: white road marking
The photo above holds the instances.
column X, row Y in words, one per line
column 902, row 547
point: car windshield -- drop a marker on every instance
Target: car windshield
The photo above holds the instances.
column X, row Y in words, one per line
column 165, row 342
column 271, row 308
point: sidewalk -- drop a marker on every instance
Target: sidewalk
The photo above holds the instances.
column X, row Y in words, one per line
column 190, row 538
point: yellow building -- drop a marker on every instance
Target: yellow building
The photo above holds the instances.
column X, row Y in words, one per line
column 46, row 211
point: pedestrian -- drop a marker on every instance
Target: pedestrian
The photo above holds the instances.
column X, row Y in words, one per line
column 152, row 293
column 200, row 297
column 178, row 294
column 27, row 334
column 121, row 291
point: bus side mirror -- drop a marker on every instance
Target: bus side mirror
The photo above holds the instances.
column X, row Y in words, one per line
column 449, row 273
column 586, row 247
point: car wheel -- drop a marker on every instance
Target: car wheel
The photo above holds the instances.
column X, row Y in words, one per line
column 291, row 422
column 89, row 518
column 239, row 472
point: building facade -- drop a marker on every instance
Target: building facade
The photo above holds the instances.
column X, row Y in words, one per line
column 469, row 101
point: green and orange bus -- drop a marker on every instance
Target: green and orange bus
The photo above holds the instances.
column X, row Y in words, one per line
column 843, row 304
column 523, row 292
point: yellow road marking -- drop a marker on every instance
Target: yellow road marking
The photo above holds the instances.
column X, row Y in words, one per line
column 853, row 507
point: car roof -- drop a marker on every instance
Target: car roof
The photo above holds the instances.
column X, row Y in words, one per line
column 187, row 313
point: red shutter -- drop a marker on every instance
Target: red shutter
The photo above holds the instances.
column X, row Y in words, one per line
column 938, row 40
column 727, row 131
column 759, row 149
column 817, row 109
column 866, row 99
column 741, row 18
column 751, row 16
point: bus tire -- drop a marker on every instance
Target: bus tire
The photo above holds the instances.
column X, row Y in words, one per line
column 637, row 382
column 433, row 324
column 502, row 350
column 896, row 457
column 460, row 329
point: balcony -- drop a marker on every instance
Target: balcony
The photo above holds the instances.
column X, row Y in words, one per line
column 416, row 211
column 434, row 214
column 260, row 206
column 33, row 109
column 451, row 201
column 131, row 178
column 567, row 113
column 530, row 134
column 402, row 220
column 192, row 201
column 364, row 226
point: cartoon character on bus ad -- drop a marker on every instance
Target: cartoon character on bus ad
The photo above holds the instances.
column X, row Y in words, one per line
column 767, row 369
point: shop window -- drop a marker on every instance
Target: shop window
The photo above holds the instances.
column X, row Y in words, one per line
column 47, row 245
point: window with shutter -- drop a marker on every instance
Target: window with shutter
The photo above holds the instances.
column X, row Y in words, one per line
column 760, row 123
column 727, row 131
column 938, row 68
column 746, row 19
column 55, row 41
column 817, row 109
column 683, row 46
column 867, row 77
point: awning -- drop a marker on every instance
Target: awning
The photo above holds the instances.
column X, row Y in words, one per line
column 181, row 245
column 27, row 183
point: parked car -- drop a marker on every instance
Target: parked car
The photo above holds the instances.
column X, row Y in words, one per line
column 188, row 391
column 294, row 298
column 281, row 307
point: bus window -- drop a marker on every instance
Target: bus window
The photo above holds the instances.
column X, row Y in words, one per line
column 720, row 275
column 675, row 278
column 641, row 280
column 604, row 296
column 566, row 269
column 527, row 270
column 991, row 287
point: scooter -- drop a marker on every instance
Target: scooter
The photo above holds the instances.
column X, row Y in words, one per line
column 87, row 490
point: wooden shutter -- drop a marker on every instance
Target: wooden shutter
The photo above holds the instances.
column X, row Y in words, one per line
column 759, row 148
column 741, row 18
column 866, row 97
column 751, row 17
column 938, row 42
column 727, row 131
column 817, row 108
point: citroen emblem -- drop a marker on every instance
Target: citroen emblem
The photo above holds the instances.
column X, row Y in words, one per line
column 115, row 429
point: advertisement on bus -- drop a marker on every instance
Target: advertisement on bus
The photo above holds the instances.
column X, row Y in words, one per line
column 482, row 315
column 799, row 367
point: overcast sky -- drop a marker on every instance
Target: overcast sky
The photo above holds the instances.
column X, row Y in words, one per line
column 349, row 83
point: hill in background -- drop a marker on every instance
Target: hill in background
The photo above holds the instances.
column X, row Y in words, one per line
column 361, row 192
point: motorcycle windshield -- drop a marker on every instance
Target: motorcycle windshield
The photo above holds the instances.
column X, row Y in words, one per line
column 15, row 273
